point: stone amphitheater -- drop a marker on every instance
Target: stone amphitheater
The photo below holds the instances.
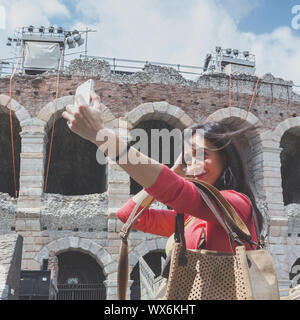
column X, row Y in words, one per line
column 67, row 218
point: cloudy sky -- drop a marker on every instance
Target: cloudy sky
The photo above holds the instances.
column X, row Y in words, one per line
column 172, row 31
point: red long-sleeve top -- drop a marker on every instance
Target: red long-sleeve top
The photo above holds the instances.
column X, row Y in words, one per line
column 183, row 196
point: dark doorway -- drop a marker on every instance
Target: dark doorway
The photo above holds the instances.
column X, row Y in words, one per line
column 154, row 261
column 73, row 169
column 7, row 184
column 80, row 277
column 290, row 166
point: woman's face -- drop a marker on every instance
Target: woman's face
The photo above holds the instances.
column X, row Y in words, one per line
column 205, row 164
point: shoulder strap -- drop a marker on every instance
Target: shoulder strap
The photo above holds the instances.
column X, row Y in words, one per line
column 228, row 217
column 122, row 276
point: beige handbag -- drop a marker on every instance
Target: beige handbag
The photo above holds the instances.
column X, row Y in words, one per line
column 211, row 275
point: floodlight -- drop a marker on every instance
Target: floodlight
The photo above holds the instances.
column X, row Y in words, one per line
column 41, row 29
column 78, row 39
column 9, row 39
column 8, row 43
column 51, row 29
column 246, row 54
column 30, row 28
column 71, row 42
column 218, row 49
column 236, row 52
column 60, row 30
column 228, row 51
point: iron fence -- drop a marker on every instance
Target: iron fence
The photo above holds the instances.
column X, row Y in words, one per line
column 81, row 292
column 123, row 64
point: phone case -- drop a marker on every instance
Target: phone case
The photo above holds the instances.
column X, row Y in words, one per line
column 85, row 91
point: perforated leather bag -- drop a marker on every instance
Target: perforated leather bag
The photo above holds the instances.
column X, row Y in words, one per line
column 211, row 275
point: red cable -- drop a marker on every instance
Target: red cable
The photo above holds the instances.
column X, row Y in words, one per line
column 54, row 116
column 252, row 99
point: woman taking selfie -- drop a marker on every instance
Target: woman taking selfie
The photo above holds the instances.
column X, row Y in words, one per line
column 221, row 167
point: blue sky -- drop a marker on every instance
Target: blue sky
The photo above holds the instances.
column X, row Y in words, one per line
column 265, row 16
column 268, row 15
column 172, row 31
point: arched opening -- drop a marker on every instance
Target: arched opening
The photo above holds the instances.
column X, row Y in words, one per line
column 290, row 166
column 295, row 273
column 80, row 277
column 73, row 169
column 7, row 184
column 147, row 269
column 161, row 146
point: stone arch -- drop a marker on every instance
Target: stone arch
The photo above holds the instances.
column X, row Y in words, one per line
column 254, row 142
column 63, row 167
column 145, row 247
column 150, row 251
column 100, row 254
column 20, row 112
column 20, row 116
column 287, row 137
column 162, row 110
column 46, row 114
column 225, row 113
column 287, row 260
column 285, row 126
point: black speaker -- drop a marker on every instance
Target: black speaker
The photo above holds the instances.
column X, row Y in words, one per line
column 34, row 285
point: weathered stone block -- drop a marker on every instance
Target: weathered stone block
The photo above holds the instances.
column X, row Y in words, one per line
column 84, row 244
column 74, row 242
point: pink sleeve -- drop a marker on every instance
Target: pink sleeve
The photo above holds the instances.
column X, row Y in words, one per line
column 183, row 196
column 155, row 221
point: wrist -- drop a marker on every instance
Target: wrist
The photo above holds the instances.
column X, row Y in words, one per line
column 105, row 139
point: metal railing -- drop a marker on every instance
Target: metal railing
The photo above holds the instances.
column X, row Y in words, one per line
column 140, row 64
column 146, row 280
column 117, row 65
column 81, row 292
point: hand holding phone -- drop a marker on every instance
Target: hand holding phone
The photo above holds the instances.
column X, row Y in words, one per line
column 85, row 91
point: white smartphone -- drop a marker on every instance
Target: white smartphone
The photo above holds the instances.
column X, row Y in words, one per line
column 85, row 91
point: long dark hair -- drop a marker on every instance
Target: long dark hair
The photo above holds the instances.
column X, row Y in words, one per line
column 234, row 175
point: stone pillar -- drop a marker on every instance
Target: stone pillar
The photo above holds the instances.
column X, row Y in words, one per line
column 272, row 174
column 112, row 289
column 118, row 188
column 53, row 266
column 118, row 180
column 31, row 190
column 272, row 185
column 118, row 193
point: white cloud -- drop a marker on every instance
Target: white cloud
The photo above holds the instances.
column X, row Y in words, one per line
column 171, row 31
column 21, row 13
column 144, row 30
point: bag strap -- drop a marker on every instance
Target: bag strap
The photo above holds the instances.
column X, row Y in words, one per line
column 123, row 253
column 228, row 214
column 231, row 222
column 228, row 218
